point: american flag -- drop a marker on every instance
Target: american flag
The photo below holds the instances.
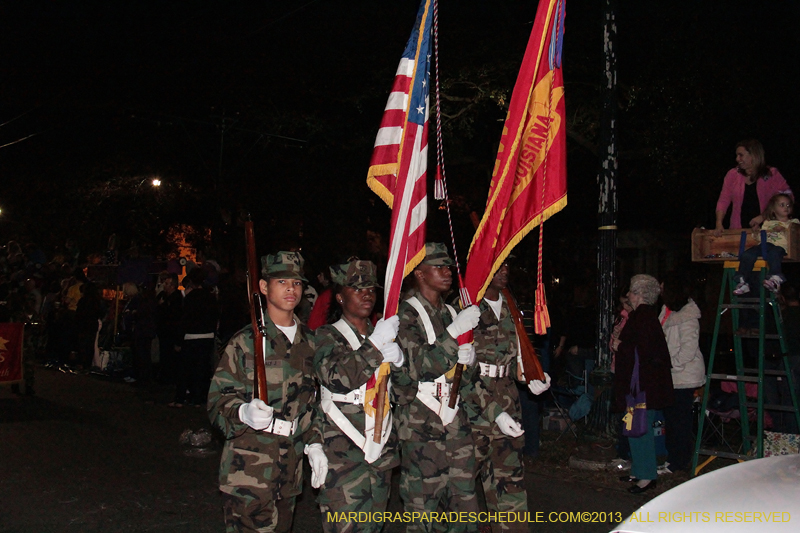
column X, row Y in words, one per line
column 400, row 158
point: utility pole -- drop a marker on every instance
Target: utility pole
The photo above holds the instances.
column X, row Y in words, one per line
column 600, row 422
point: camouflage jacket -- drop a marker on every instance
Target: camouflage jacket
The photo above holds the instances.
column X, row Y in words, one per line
column 495, row 344
column 258, row 459
column 423, row 362
column 341, row 369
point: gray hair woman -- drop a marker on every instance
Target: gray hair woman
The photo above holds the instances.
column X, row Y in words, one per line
column 643, row 335
column 646, row 288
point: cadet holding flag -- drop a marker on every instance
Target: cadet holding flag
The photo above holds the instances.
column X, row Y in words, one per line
column 261, row 470
column 437, row 453
column 348, row 362
column 492, row 404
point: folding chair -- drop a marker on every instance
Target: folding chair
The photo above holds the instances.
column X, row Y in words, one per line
column 574, row 400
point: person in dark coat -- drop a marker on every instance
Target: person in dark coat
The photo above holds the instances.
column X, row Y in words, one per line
column 643, row 335
column 88, row 318
column 196, row 331
column 168, row 315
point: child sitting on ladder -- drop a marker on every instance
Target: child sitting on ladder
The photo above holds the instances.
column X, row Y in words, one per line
column 776, row 223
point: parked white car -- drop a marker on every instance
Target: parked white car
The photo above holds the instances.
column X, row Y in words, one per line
column 762, row 495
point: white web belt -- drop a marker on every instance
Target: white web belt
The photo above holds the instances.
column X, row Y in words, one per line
column 436, row 397
column 282, row 427
column 494, row 371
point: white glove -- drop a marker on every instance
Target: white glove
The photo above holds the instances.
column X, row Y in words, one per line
column 256, row 414
column 392, row 354
column 465, row 321
column 508, row 425
column 385, row 331
column 537, row 387
column 466, row 354
column 319, row 464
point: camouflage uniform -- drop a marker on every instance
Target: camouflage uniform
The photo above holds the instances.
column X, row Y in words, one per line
column 498, row 455
column 352, row 483
column 261, row 473
column 438, row 462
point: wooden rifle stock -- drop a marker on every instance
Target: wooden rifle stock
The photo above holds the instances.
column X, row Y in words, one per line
column 456, row 385
column 256, row 312
column 380, row 408
column 532, row 368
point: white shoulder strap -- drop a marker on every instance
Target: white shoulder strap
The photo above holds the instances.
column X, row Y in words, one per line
column 452, row 311
column 372, row 450
column 347, row 333
column 423, row 316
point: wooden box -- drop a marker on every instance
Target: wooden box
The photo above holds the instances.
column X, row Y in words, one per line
column 707, row 248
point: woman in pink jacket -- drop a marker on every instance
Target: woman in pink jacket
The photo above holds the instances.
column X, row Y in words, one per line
column 748, row 187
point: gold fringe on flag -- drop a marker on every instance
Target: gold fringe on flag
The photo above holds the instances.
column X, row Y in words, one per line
column 541, row 317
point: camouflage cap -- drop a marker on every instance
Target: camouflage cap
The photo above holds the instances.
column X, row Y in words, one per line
column 283, row 265
column 356, row 274
column 436, row 255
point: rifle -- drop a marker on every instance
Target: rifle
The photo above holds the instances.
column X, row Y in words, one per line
column 380, row 409
column 256, row 311
column 532, row 368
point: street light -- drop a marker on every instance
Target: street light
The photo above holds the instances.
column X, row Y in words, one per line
column 156, row 182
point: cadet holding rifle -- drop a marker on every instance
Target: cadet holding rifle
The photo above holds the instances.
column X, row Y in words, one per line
column 438, row 457
column 261, row 470
column 348, row 362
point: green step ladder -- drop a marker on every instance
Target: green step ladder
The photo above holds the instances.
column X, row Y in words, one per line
column 763, row 303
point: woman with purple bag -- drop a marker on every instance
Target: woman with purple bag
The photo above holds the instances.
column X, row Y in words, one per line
column 643, row 340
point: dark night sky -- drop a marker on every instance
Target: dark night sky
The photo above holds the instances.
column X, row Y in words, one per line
column 138, row 88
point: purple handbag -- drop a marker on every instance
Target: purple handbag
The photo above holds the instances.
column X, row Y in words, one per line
column 634, row 423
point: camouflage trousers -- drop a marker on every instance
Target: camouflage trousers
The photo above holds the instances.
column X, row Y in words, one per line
column 438, row 475
column 353, row 486
column 499, row 466
column 249, row 510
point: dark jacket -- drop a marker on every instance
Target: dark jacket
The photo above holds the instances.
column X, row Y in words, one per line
column 643, row 332
column 200, row 313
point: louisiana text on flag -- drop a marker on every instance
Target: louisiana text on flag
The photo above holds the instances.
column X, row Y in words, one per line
column 529, row 181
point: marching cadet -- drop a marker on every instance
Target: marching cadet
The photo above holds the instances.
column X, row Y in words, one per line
column 348, row 359
column 437, row 452
column 492, row 403
column 261, row 471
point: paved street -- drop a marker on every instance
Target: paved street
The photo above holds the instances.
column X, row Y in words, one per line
column 86, row 454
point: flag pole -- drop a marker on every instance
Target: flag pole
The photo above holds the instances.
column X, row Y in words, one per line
column 440, row 193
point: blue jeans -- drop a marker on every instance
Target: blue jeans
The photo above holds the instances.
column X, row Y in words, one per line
column 750, row 256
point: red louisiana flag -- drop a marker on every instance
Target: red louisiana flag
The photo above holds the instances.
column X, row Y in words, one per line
column 11, row 335
column 529, row 181
column 399, row 161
